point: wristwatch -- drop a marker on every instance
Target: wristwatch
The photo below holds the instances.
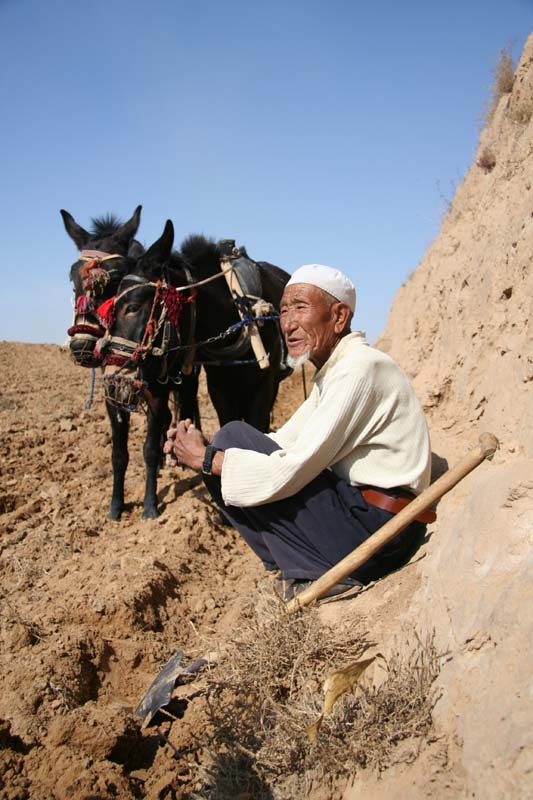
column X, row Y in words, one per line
column 209, row 455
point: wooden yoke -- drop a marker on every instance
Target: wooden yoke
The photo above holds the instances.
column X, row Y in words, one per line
column 488, row 444
column 253, row 331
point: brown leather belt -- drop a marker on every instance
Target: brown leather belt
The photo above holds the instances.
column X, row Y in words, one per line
column 395, row 504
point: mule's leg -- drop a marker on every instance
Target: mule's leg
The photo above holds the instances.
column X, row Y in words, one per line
column 261, row 390
column 257, row 403
column 188, row 398
column 225, row 386
column 158, row 422
column 120, row 424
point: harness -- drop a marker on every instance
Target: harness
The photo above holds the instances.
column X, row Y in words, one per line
column 171, row 301
column 244, row 275
column 168, row 303
column 123, row 351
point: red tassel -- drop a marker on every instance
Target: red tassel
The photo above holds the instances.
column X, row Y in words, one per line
column 174, row 301
column 84, row 304
column 106, row 312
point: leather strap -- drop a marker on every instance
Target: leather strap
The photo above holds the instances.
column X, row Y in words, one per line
column 210, row 452
column 395, row 504
column 99, row 255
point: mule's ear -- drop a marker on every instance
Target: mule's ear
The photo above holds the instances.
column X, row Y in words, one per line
column 160, row 251
column 135, row 249
column 79, row 235
column 127, row 231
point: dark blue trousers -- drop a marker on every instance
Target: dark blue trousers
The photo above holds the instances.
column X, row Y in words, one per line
column 306, row 534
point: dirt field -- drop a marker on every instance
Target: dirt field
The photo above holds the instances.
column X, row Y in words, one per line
column 92, row 609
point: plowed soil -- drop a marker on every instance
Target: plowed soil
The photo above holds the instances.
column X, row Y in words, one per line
column 92, row 609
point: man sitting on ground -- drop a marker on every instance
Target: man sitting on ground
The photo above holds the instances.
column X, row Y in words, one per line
column 310, row 493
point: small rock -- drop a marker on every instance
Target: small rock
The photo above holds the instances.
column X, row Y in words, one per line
column 66, row 425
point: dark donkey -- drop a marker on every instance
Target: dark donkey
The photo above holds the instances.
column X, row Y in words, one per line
column 107, row 253
column 167, row 304
column 238, row 388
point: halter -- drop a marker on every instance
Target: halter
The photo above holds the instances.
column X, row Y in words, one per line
column 93, row 261
column 99, row 255
column 124, row 351
column 94, row 280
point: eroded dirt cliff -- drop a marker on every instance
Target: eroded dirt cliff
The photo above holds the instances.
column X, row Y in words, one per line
column 462, row 327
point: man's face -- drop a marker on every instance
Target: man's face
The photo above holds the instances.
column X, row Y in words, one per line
column 309, row 322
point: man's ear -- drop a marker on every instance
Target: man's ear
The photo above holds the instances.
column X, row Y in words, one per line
column 343, row 314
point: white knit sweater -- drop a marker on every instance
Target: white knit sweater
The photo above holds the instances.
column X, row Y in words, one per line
column 362, row 420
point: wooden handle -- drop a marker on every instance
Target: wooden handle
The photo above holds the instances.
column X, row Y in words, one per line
column 253, row 331
column 488, row 444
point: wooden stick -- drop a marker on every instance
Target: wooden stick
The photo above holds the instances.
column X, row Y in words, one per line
column 488, row 444
column 253, row 331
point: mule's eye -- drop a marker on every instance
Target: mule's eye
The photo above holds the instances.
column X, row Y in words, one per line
column 132, row 308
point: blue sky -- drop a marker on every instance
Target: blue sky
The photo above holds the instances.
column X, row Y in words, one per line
column 307, row 130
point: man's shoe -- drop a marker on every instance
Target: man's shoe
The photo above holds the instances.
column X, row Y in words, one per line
column 341, row 591
column 283, row 588
column 290, row 588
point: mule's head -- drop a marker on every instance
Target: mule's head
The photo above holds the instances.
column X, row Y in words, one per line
column 107, row 252
column 144, row 324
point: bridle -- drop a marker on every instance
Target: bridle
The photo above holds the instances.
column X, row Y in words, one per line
column 122, row 352
column 168, row 299
column 126, row 387
column 94, row 280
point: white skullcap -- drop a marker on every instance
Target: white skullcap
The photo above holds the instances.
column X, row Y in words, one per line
column 329, row 279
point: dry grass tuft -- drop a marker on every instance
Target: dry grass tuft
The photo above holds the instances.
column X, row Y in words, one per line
column 377, row 720
column 486, row 160
column 502, row 83
column 268, row 690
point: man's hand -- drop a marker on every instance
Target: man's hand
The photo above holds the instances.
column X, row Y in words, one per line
column 186, row 445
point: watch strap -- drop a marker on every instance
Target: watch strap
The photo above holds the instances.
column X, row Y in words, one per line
column 207, row 466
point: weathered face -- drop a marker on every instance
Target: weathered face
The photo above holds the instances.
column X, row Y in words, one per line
column 311, row 322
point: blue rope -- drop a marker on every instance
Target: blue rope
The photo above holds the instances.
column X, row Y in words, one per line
column 91, row 393
column 247, row 319
column 228, row 362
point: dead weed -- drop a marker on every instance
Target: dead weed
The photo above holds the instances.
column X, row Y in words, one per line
column 503, row 75
column 267, row 691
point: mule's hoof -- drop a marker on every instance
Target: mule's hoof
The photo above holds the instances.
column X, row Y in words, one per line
column 115, row 513
column 150, row 513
